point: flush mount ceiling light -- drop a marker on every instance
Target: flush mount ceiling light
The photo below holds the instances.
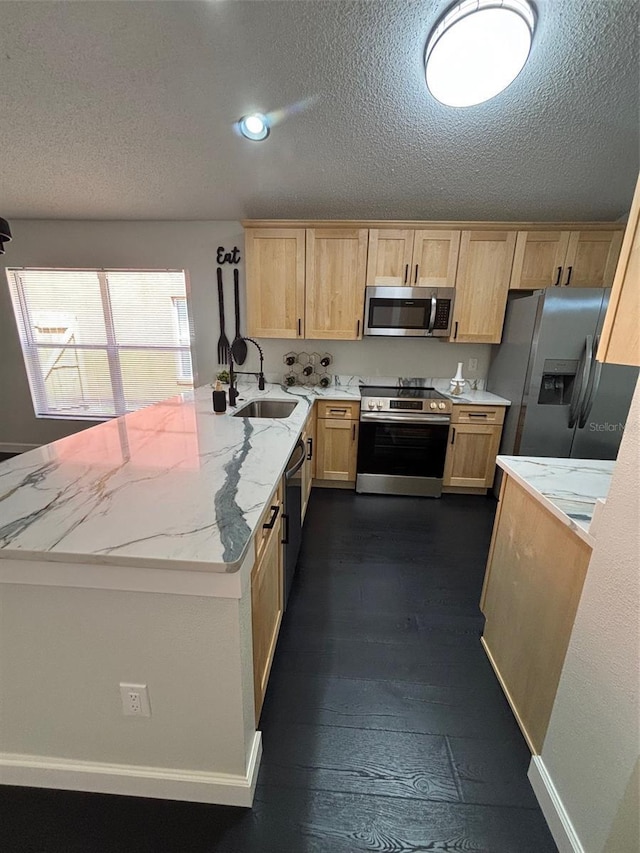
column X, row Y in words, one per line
column 5, row 234
column 477, row 49
column 254, row 127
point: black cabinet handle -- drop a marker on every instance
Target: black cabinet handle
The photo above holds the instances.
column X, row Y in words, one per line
column 453, row 435
column 358, row 329
column 285, row 538
column 566, row 284
column 299, row 327
column 557, row 281
column 455, row 333
column 269, row 525
column 415, row 279
column 354, row 433
column 406, row 273
column 310, row 444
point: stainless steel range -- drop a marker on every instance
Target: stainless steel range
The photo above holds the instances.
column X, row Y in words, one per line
column 403, row 441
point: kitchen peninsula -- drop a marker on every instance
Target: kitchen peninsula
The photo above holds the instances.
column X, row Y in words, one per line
column 133, row 547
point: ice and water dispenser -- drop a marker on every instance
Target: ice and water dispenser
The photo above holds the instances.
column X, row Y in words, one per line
column 556, row 386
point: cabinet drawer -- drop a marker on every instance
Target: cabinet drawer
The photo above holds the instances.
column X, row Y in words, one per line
column 264, row 534
column 477, row 414
column 339, row 410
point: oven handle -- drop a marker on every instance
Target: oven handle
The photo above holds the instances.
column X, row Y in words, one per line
column 380, row 418
column 432, row 318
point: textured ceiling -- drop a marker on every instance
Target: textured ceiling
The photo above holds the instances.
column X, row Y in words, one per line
column 125, row 110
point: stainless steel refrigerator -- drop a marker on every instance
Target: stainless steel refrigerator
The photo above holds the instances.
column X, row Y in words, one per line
column 563, row 402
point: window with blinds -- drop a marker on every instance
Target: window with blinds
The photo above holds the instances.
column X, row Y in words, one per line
column 101, row 343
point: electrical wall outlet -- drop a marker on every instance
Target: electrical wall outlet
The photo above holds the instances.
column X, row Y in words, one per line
column 135, row 700
column 473, row 364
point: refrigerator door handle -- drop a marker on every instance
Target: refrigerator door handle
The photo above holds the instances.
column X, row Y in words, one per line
column 594, row 384
column 579, row 392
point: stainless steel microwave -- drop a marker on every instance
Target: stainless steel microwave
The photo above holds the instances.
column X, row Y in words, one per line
column 409, row 311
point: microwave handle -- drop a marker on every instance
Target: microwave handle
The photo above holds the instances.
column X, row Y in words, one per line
column 432, row 318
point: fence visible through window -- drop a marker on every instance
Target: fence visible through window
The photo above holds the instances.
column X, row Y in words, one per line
column 101, row 343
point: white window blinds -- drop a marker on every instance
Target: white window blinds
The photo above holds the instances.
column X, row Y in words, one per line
column 99, row 343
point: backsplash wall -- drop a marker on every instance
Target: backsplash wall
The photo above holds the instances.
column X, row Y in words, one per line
column 382, row 357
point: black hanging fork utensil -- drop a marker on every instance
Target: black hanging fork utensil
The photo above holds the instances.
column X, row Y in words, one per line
column 223, row 342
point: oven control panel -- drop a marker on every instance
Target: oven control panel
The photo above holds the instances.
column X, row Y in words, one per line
column 399, row 405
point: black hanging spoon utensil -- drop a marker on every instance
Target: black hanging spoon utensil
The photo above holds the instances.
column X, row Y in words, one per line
column 239, row 346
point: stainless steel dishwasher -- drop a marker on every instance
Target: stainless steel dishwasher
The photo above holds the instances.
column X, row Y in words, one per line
column 292, row 515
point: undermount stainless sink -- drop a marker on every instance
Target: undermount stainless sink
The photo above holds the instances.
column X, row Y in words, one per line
column 266, row 409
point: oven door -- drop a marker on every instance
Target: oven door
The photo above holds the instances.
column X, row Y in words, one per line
column 399, row 455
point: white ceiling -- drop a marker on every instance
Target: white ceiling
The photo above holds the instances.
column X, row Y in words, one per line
column 125, row 110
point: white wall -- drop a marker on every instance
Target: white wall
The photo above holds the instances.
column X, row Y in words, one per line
column 191, row 246
column 176, row 245
column 593, row 741
column 64, row 652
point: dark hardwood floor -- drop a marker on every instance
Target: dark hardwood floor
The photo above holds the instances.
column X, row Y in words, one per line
column 384, row 727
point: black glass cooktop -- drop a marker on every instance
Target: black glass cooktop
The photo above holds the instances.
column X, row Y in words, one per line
column 416, row 393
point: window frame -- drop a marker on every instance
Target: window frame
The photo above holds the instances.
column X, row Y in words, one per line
column 31, row 347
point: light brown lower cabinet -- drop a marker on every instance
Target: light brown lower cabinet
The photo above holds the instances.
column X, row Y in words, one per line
column 337, row 442
column 532, row 587
column 474, row 440
column 266, row 605
column 471, row 455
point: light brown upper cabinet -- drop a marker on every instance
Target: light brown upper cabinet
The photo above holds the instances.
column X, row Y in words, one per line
column 413, row 258
column 620, row 342
column 539, row 259
column 275, row 272
column 482, row 284
column 336, row 275
column 592, row 257
column 565, row 259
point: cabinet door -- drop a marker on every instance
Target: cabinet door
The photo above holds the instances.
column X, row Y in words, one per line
column 337, row 449
column 274, row 262
column 482, row 285
column 266, row 612
column 389, row 257
column 592, row 257
column 471, row 455
column 336, row 275
column 435, row 258
column 620, row 343
column 539, row 259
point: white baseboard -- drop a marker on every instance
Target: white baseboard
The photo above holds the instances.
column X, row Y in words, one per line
column 39, row 771
column 553, row 810
column 16, row 447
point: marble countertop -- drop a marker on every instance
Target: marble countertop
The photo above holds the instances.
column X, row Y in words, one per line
column 569, row 488
column 469, row 397
column 477, row 398
column 171, row 485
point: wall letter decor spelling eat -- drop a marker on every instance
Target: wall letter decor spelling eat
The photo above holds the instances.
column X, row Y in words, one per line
column 224, row 257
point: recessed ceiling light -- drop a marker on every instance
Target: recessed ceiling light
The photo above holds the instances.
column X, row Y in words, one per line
column 254, row 127
column 477, row 49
